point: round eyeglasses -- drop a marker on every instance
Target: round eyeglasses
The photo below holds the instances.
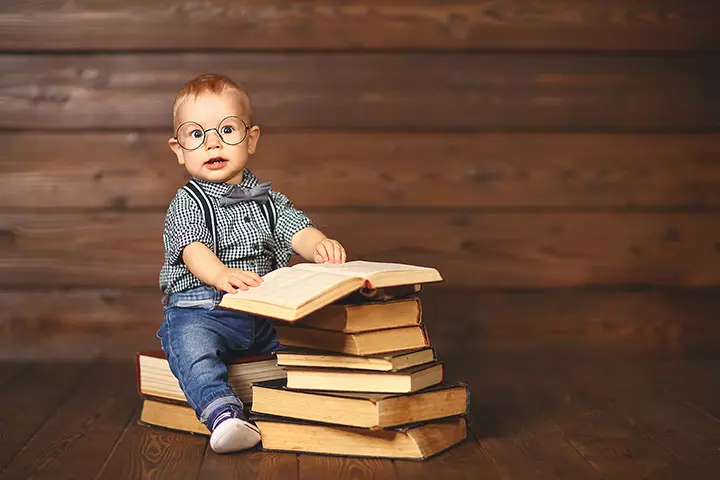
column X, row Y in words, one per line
column 232, row 130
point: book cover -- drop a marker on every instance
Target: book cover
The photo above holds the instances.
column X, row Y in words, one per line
column 382, row 362
column 290, row 293
column 419, row 441
column 362, row 343
column 348, row 380
column 363, row 410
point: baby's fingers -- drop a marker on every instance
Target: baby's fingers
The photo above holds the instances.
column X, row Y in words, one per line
column 251, row 279
column 322, row 250
column 238, row 282
column 227, row 287
column 248, row 278
column 255, row 276
column 337, row 252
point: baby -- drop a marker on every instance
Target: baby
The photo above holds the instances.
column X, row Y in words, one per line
column 223, row 232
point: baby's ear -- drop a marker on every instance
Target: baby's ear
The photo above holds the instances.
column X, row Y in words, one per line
column 253, row 138
column 177, row 150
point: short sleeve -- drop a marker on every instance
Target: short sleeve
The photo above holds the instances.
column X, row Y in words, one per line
column 184, row 224
column 289, row 221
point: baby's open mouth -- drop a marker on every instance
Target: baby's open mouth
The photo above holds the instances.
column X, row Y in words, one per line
column 215, row 161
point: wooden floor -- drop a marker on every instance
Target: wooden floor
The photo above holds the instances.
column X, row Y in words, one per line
column 533, row 417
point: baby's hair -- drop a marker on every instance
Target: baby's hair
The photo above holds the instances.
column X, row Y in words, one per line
column 211, row 83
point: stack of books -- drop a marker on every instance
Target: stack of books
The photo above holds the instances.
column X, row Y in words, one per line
column 360, row 377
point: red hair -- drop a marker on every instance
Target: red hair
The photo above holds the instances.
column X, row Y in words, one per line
column 212, row 83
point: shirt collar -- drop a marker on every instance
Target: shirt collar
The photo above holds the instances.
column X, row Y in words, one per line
column 218, row 189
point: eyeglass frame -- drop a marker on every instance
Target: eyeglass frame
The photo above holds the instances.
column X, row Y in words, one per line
column 205, row 132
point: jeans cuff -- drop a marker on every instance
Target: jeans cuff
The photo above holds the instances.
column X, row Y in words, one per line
column 214, row 404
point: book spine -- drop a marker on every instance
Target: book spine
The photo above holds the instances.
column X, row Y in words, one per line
column 137, row 373
column 425, row 335
column 467, row 404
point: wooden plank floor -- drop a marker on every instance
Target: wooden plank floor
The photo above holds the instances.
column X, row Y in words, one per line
column 533, row 416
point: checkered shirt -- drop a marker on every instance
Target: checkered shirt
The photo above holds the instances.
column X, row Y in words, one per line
column 244, row 237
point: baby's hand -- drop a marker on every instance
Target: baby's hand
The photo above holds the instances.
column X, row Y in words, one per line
column 233, row 279
column 329, row 251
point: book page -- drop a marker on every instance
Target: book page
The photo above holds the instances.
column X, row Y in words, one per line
column 358, row 268
column 290, row 287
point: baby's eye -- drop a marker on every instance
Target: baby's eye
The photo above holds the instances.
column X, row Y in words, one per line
column 227, row 129
column 196, row 134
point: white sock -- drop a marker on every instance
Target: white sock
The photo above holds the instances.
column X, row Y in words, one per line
column 234, row 435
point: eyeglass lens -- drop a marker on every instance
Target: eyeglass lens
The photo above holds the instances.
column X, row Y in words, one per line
column 191, row 135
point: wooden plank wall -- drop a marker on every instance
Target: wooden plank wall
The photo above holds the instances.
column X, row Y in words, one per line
column 558, row 161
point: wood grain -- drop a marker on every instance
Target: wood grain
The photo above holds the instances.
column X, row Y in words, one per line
column 614, row 447
column 9, row 370
column 147, row 452
column 345, row 468
column 481, row 249
column 28, row 400
column 514, row 427
column 624, row 416
column 550, row 397
column 572, row 92
column 378, row 169
column 466, row 461
column 524, row 455
column 251, row 464
column 80, row 324
column 676, row 321
column 337, row 25
column 661, row 412
column 75, row 440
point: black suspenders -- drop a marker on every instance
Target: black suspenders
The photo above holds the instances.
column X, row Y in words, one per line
column 269, row 212
column 201, row 198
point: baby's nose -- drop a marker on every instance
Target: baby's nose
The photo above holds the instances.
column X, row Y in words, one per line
column 213, row 139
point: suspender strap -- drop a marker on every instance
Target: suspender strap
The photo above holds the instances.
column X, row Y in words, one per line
column 270, row 214
column 203, row 202
column 196, row 192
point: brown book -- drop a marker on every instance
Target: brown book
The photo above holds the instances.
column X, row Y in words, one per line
column 360, row 409
column 171, row 415
column 331, row 379
column 365, row 317
column 383, row 362
column 290, row 293
column 154, row 378
column 364, row 343
column 417, row 442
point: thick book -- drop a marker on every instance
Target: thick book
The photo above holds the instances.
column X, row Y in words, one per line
column 290, row 293
column 171, row 415
column 418, row 442
column 155, row 379
column 384, row 362
column 336, row 380
column 364, row 317
column 363, row 343
column 361, row 409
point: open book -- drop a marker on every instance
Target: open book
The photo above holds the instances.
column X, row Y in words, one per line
column 290, row 293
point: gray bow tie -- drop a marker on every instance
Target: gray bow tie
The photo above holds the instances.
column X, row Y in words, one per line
column 258, row 193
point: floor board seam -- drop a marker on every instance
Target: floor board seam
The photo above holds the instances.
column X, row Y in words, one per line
column 71, row 390
column 117, row 442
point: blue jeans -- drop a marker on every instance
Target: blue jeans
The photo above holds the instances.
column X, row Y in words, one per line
column 198, row 339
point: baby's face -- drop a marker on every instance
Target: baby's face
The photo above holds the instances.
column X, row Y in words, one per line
column 215, row 160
